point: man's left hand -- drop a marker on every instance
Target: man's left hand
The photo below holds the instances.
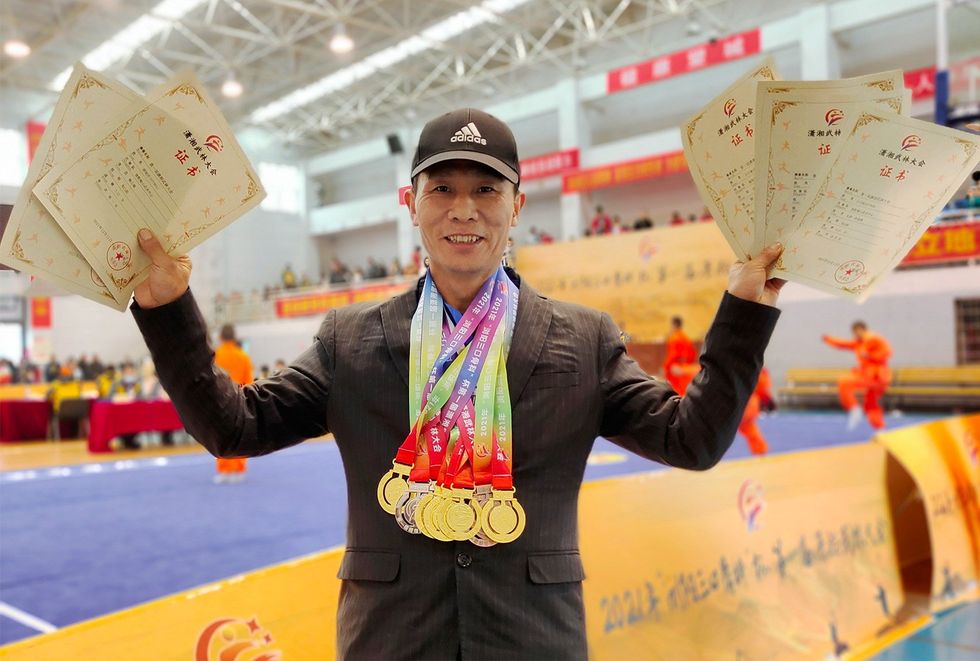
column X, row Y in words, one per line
column 750, row 280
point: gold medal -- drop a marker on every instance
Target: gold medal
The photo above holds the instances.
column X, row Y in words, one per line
column 503, row 518
column 482, row 496
column 433, row 513
column 461, row 517
column 424, row 501
column 406, row 507
column 392, row 485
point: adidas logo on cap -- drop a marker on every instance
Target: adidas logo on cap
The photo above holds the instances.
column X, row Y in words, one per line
column 468, row 133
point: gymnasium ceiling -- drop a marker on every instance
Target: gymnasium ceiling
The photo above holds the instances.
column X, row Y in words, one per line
column 411, row 57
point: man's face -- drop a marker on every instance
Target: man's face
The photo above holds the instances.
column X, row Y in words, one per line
column 859, row 332
column 464, row 213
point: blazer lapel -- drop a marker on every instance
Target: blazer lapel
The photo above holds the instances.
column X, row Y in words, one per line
column 533, row 320
column 396, row 320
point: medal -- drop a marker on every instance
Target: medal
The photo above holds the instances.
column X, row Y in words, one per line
column 392, row 485
column 406, row 507
column 461, row 517
column 482, row 496
column 503, row 518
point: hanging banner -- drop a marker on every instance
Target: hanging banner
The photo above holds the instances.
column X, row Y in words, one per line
column 946, row 242
column 321, row 302
column 34, row 130
column 717, row 51
column 41, row 312
column 626, row 172
column 962, row 74
column 549, row 165
column 641, row 279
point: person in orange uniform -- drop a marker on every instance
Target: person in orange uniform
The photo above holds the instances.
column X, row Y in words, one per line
column 681, row 362
column 748, row 428
column 872, row 374
column 230, row 357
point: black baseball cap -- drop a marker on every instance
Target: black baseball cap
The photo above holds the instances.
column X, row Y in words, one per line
column 471, row 135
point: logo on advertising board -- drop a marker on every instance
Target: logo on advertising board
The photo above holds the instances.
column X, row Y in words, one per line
column 751, row 504
column 230, row 638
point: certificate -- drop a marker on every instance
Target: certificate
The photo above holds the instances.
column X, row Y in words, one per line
column 719, row 148
column 33, row 241
column 169, row 162
column 889, row 179
column 801, row 125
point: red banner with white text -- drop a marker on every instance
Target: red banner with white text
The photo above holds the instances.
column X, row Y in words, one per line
column 626, row 172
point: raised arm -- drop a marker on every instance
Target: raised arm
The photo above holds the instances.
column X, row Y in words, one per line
column 228, row 420
column 645, row 416
column 838, row 342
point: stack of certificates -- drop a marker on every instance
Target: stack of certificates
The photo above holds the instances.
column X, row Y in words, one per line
column 835, row 170
column 112, row 162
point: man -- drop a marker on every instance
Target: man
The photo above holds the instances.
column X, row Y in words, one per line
column 871, row 376
column 568, row 379
column 238, row 366
column 681, row 361
column 601, row 222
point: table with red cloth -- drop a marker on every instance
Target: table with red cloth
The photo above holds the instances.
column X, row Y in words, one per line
column 111, row 419
column 24, row 419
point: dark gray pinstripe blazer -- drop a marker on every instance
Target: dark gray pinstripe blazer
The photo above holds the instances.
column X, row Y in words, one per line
column 409, row 597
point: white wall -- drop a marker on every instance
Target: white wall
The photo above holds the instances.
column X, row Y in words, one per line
column 269, row 341
column 354, row 247
column 79, row 326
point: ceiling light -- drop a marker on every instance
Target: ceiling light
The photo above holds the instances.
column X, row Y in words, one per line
column 446, row 29
column 231, row 88
column 341, row 42
column 125, row 42
column 16, row 48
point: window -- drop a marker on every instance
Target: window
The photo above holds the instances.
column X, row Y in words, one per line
column 284, row 187
column 967, row 331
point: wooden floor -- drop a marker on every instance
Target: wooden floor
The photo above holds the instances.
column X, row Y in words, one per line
column 46, row 454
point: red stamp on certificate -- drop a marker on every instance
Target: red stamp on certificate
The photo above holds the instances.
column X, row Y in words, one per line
column 119, row 256
column 850, row 271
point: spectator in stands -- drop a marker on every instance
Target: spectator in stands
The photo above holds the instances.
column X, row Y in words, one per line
column 681, row 361
column 305, row 281
column 540, row 236
column 236, row 363
column 280, row 365
column 83, row 367
column 396, row 268
column 27, row 371
column 973, row 192
column 617, row 226
column 417, row 260
column 339, row 272
column 601, row 222
column 871, row 375
column 676, row 218
column 692, row 218
column 52, row 370
column 644, row 222
column 509, row 252
column 264, row 372
column 375, row 270
column 706, row 215
column 106, row 383
column 288, row 277
column 8, row 374
column 95, row 368
column 357, row 277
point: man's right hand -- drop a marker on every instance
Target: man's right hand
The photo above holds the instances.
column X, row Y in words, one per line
column 168, row 275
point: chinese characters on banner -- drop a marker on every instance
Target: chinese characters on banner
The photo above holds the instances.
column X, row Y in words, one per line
column 321, row 302
column 948, row 242
column 922, row 82
column 615, row 174
column 41, row 312
column 547, row 165
column 685, row 61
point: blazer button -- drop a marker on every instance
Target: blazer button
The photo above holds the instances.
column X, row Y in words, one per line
column 464, row 560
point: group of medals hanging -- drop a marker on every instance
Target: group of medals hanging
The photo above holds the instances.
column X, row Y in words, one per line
column 452, row 477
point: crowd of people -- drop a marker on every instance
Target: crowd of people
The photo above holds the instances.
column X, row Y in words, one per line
column 603, row 223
